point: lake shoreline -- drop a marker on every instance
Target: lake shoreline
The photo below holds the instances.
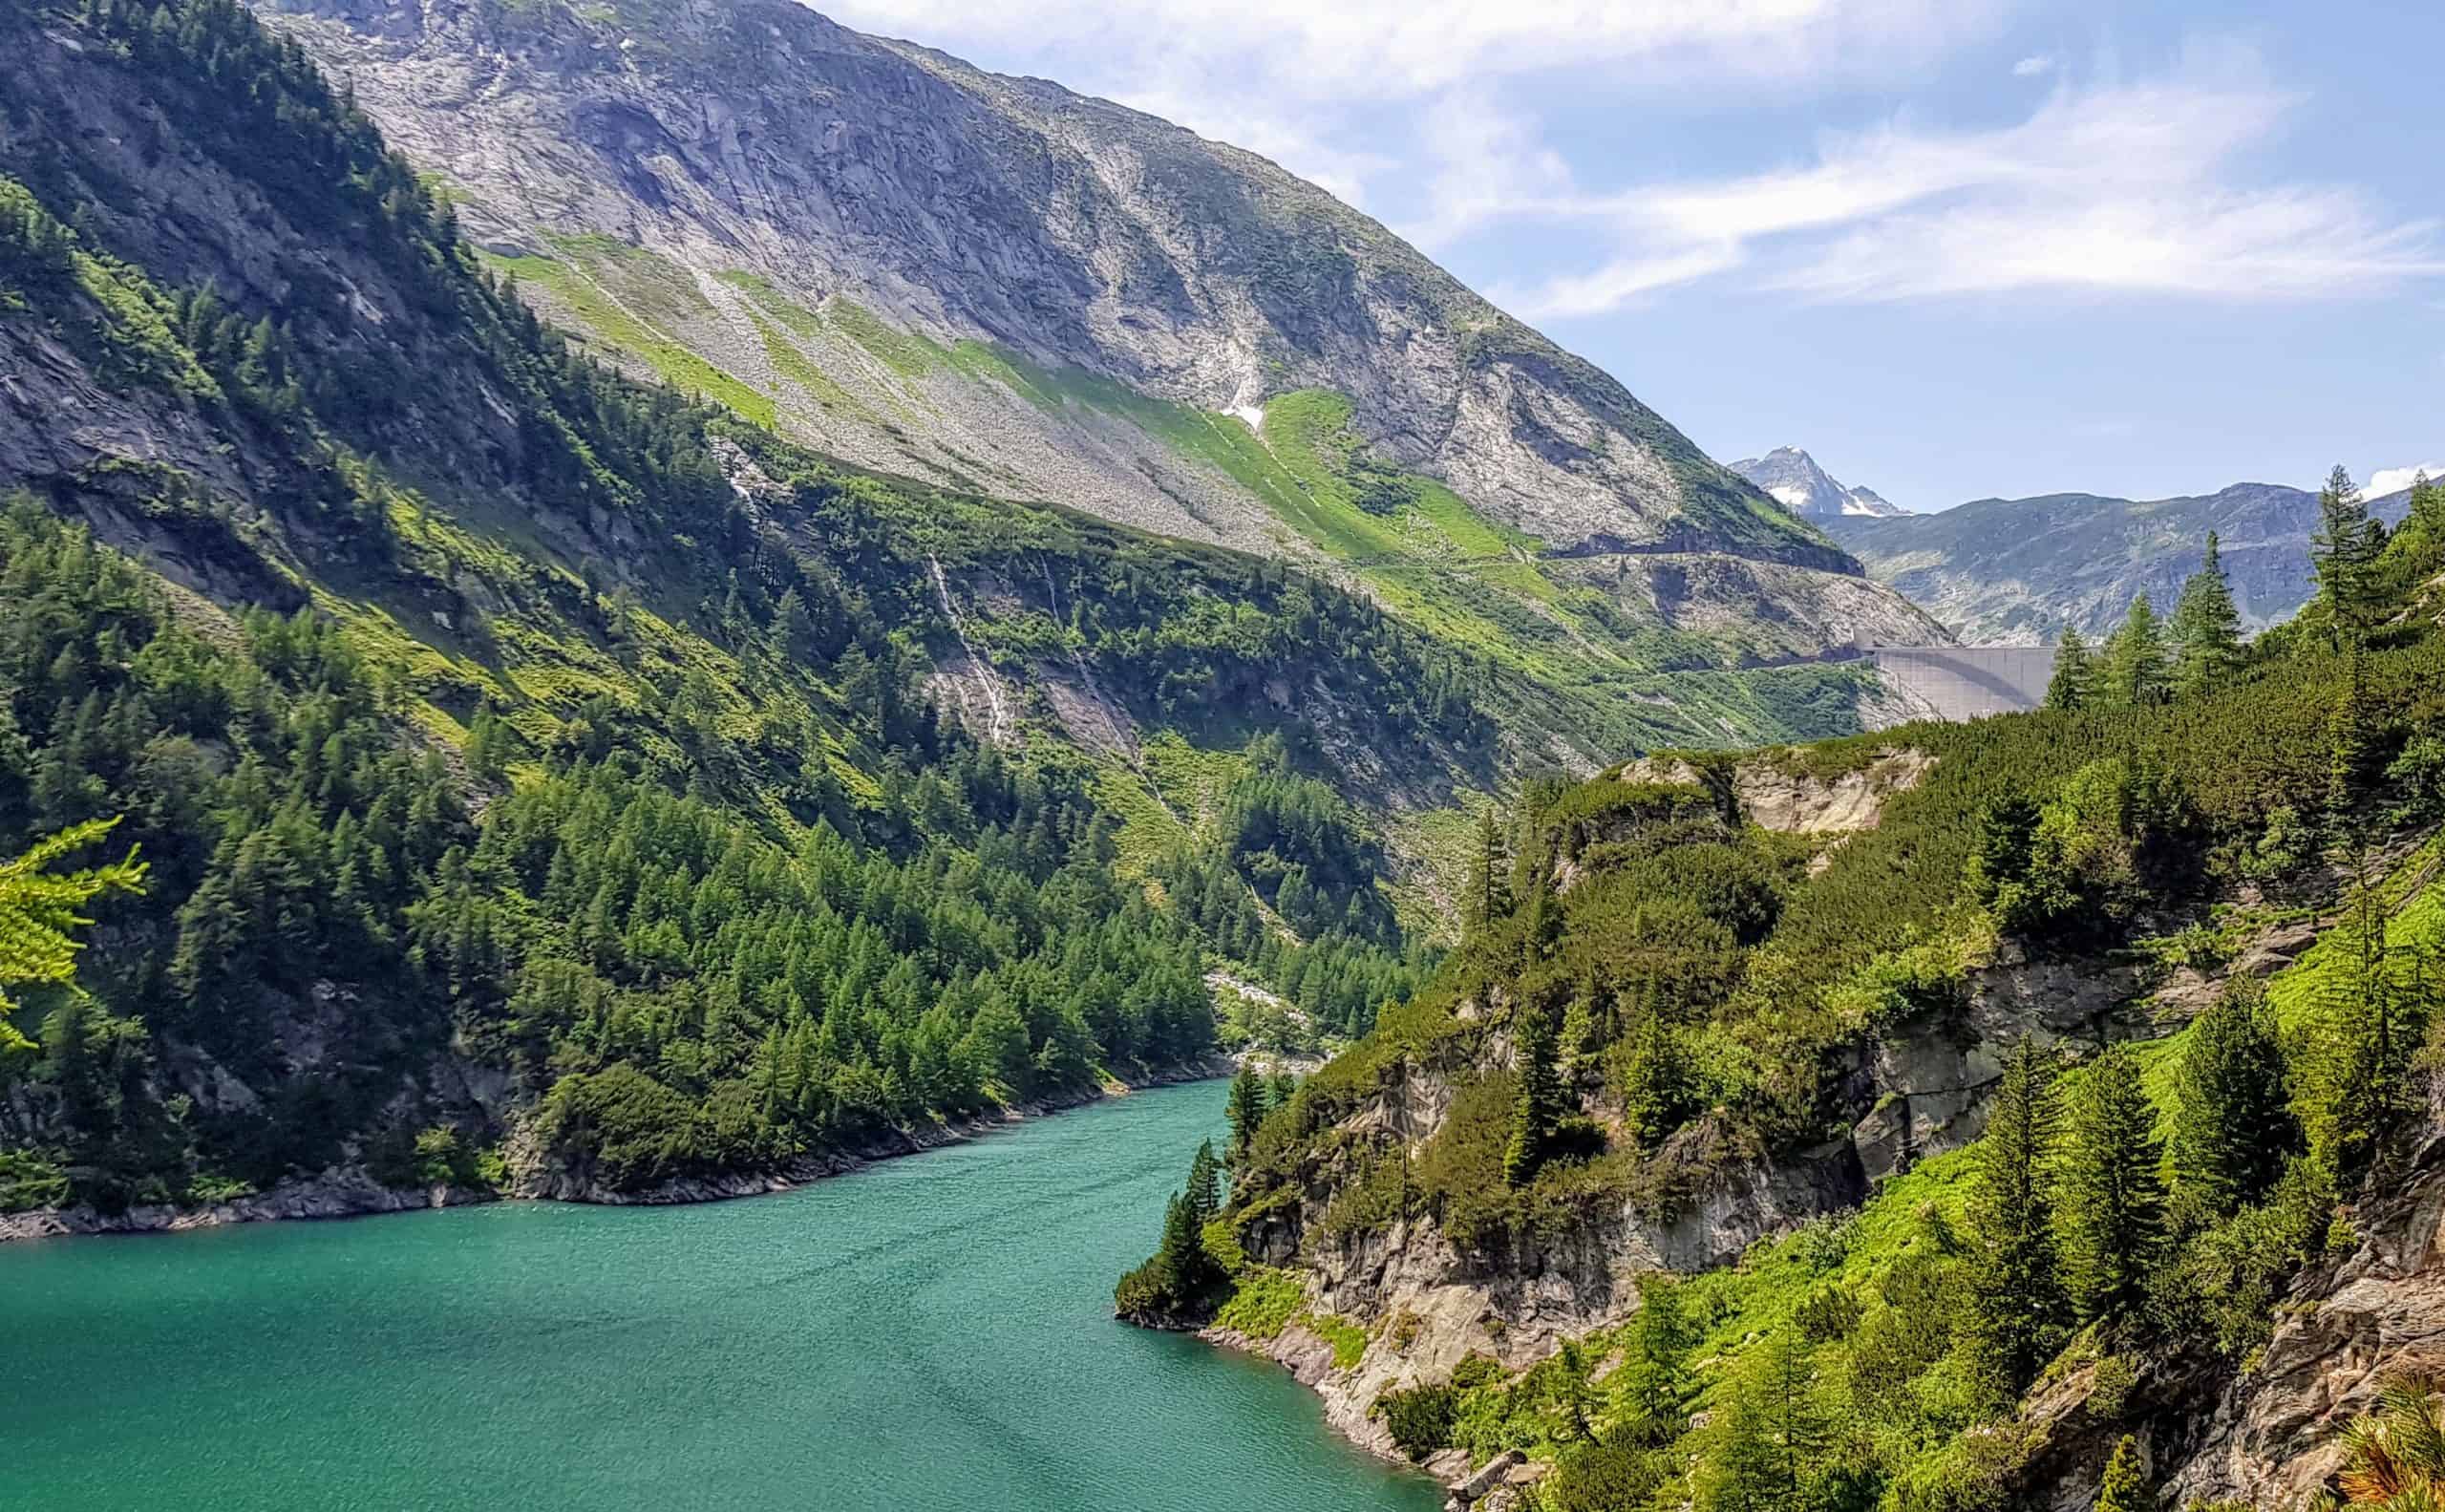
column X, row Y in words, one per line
column 350, row 1192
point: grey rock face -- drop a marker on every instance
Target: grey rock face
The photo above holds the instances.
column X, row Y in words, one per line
column 751, row 144
column 1792, row 479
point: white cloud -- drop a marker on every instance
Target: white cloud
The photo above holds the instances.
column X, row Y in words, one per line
column 2123, row 188
column 1297, row 80
column 2116, row 185
column 2394, row 479
column 1403, row 49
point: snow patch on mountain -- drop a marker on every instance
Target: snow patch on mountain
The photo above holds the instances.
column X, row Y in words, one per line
column 1792, row 479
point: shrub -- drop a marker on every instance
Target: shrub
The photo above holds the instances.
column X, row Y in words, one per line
column 1420, row 1417
column 28, row 1181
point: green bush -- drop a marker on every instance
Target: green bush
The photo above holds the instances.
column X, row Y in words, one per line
column 28, row 1181
column 1420, row 1418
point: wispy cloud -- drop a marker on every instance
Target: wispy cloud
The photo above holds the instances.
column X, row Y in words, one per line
column 1298, row 81
column 2121, row 188
column 2112, row 184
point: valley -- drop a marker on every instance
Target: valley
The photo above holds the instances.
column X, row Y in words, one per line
column 610, row 607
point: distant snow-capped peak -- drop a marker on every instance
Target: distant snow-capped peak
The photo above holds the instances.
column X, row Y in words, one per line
column 1792, row 479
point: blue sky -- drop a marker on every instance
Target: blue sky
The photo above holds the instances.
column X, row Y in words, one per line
column 1955, row 248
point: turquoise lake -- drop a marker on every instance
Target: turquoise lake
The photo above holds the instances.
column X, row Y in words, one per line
column 931, row 1333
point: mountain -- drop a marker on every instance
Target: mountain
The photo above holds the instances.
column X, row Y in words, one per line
column 996, row 285
column 554, row 781
column 551, row 783
column 1792, row 477
column 2014, row 571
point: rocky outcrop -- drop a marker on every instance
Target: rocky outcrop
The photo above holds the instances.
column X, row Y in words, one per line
column 1429, row 1303
column 2275, row 1433
column 1774, row 793
column 345, row 1192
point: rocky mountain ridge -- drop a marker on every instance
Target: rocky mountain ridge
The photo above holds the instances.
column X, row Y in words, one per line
column 1792, row 479
column 2014, row 571
column 996, row 284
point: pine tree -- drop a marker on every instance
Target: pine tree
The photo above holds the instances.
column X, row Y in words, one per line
column 792, row 627
column 1206, row 1185
column 1653, row 1382
column 1771, row 1446
column 2074, row 685
column 2232, row 1119
column 2124, row 1488
column 2343, row 552
column 1182, row 1258
column 2349, row 743
column 2135, row 671
column 1243, row 1112
column 1654, row 1079
column 1489, row 897
column 1537, row 1106
column 2206, row 627
column 2112, row 1199
column 2016, row 1298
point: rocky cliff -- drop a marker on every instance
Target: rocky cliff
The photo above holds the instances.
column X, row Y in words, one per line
column 997, row 283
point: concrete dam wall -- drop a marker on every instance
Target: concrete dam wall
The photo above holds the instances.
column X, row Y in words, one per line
column 1968, row 682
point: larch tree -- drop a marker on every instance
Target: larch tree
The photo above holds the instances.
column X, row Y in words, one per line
column 41, row 912
column 2124, row 1488
column 2136, row 664
column 2074, row 685
column 1651, row 1389
column 2343, row 552
column 2206, row 627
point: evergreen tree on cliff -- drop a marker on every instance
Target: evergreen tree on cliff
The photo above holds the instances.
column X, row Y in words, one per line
column 2125, row 1489
column 2112, row 1199
column 2207, row 627
column 2016, row 1299
column 1489, row 896
column 1205, row 1184
column 2343, row 552
column 2232, row 1121
column 1536, row 1107
column 1244, row 1112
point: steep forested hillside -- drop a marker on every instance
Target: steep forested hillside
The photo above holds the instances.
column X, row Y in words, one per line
column 1900, row 1121
column 516, row 749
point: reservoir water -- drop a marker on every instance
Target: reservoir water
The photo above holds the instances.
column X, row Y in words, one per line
column 934, row 1332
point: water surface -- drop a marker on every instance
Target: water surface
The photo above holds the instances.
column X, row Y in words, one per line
column 933, row 1333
